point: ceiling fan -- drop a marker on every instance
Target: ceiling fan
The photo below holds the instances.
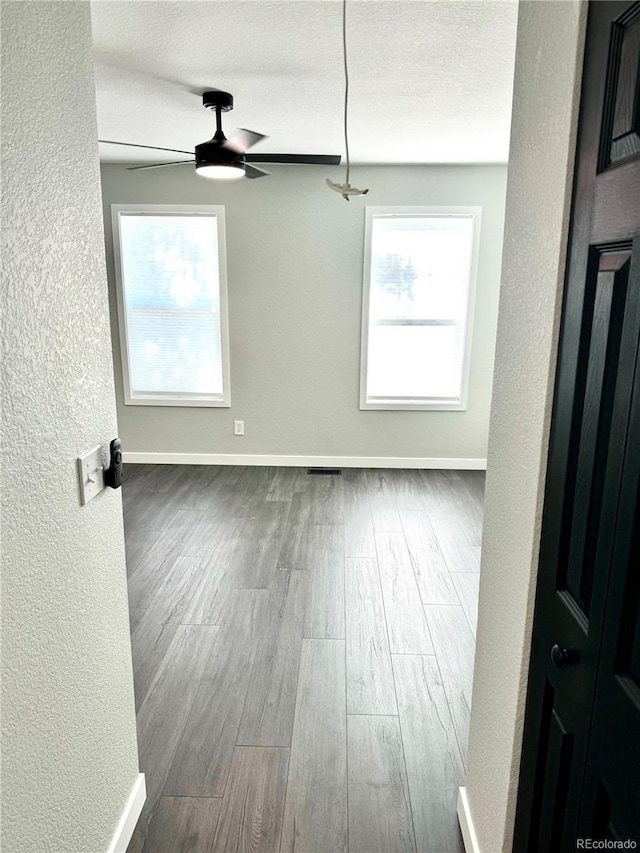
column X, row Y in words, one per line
column 226, row 159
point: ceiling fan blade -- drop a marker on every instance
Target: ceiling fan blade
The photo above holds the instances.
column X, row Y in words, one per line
column 303, row 159
column 252, row 172
column 152, row 147
column 241, row 140
column 160, row 165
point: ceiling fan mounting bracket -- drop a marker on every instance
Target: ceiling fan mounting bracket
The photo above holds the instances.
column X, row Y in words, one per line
column 216, row 100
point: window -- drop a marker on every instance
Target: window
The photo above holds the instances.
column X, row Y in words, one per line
column 172, row 304
column 417, row 306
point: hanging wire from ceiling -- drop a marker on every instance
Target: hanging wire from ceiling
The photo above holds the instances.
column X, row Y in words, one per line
column 345, row 189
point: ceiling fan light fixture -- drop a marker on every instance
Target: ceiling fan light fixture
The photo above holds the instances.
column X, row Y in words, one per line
column 215, row 161
column 220, row 171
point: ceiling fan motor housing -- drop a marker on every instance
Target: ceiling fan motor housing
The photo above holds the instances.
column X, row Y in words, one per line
column 213, row 152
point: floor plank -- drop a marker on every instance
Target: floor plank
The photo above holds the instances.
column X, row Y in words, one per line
column 135, row 615
column 406, row 486
column 469, row 506
column 308, row 511
column 459, row 554
column 384, row 510
column 354, row 479
column 197, row 487
column 455, row 648
column 468, row 586
column 161, row 556
column 370, row 688
column 162, row 478
column 203, row 756
column 253, row 805
column 159, row 623
column 434, row 766
column 218, row 528
column 406, row 623
column 284, row 484
column 137, row 545
column 217, row 577
column 294, row 551
column 324, row 498
column 165, row 710
column 315, row 818
column 430, row 568
column 447, row 511
column 256, row 562
column 185, row 824
column 255, row 478
column 267, row 718
column 379, row 811
column 359, row 540
column 134, row 474
column 323, row 557
column 289, row 558
column 150, row 511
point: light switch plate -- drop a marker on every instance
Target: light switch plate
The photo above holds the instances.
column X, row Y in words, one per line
column 91, row 474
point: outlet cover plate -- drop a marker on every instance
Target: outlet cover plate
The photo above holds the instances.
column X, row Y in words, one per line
column 90, row 474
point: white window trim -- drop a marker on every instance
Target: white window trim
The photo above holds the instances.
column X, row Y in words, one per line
column 168, row 209
column 407, row 405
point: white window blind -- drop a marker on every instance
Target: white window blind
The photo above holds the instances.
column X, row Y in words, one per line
column 417, row 289
column 172, row 301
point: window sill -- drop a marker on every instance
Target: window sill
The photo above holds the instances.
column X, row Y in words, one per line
column 403, row 406
column 177, row 401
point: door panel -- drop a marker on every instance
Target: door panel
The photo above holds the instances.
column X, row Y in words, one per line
column 557, row 764
column 595, row 415
column 612, row 774
column 621, row 120
column 572, row 776
column 607, row 822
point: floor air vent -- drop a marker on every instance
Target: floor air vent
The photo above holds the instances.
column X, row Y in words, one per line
column 333, row 471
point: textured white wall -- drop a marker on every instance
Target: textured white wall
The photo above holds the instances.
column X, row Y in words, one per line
column 547, row 82
column 69, row 738
column 295, row 255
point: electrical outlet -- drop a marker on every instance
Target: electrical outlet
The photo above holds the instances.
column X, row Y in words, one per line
column 238, row 427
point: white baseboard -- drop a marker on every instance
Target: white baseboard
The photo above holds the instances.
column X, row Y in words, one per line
column 466, row 824
column 129, row 817
column 304, row 461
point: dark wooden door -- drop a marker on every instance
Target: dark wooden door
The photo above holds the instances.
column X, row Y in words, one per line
column 580, row 772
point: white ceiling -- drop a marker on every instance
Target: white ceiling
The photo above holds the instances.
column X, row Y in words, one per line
column 431, row 81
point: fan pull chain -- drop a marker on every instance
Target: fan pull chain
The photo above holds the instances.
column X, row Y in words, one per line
column 345, row 189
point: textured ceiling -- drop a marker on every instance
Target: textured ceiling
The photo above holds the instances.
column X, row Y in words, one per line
column 431, row 81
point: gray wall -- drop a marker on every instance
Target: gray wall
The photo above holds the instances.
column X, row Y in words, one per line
column 547, row 82
column 295, row 255
column 69, row 734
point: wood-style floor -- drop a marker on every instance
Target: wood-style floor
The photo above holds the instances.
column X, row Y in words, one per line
column 303, row 651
